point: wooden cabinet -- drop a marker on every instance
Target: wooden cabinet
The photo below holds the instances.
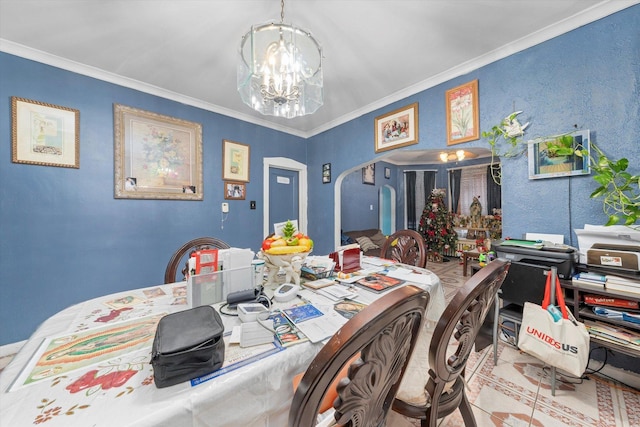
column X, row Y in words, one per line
column 581, row 311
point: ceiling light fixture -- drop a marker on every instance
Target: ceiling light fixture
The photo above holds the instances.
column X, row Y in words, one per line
column 280, row 70
column 459, row 155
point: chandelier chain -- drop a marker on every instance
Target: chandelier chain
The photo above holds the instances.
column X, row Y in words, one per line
column 281, row 11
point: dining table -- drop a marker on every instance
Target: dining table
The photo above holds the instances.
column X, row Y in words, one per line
column 89, row 364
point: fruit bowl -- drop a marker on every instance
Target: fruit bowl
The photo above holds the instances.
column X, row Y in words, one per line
column 290, row 263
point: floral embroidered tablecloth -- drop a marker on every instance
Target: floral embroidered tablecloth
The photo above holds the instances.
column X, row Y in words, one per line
column 89, row 366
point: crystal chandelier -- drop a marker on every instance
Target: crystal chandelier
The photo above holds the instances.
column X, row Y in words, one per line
column 280, row 70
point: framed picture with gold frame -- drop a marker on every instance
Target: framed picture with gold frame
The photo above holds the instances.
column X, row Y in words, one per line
column 235, row 161
column 396, row 129
column 44, row 134
column 156, row 156
column 463, row 114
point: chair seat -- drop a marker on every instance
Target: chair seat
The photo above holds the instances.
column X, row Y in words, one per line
column 415, row 378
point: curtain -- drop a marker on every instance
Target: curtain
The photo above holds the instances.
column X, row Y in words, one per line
column 454, row 185
column 418, row 188
column 410, row 197
column 420, row 200
column 473, row 183
column 494, row 192
column 429, row 184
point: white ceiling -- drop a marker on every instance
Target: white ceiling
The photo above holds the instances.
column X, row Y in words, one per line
column 375, row 51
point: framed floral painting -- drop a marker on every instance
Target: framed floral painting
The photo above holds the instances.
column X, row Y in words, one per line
column 463, row 114
column 156, row 156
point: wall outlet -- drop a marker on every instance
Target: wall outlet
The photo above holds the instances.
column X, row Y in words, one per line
column 252, row 204
column 225, row 208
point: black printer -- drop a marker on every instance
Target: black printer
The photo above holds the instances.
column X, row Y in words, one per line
column 563, row 257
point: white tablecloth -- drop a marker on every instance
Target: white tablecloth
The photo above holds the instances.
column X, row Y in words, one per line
column 258, row 394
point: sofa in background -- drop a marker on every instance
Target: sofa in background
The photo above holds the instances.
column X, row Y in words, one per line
column 369, row 240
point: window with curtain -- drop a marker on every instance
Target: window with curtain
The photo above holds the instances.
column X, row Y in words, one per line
column 473, row 183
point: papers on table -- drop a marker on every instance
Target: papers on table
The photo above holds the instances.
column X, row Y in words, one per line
column 323, row 327
column 413, row 276
column 338, row 292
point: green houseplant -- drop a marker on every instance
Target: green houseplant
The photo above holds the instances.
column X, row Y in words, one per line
column 618, row 189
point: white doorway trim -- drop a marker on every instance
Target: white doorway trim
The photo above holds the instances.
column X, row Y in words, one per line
column 288, row 164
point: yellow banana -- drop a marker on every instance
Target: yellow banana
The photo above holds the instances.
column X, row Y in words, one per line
column 282, row 250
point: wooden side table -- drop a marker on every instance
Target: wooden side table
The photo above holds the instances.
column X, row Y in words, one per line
column 466, row 256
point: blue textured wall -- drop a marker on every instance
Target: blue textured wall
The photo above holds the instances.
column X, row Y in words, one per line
column 64, row 238
column 589, row 77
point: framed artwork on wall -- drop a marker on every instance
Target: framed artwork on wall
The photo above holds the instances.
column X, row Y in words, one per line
column 396, row 129
column 326, row 173
column 235, row 190
column 463, row 114
column 369, row 174
column 156, row 156
column 545, row 162
column 44, row 134
column 235, row 161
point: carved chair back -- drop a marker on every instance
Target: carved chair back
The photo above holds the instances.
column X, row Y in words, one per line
column 451, row 344
column 384, row 335
column 405, row 246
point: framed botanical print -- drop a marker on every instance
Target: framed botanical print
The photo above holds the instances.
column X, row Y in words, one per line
column 235, row 161
column 463, row 115
column 44, row 134
column 156, row 156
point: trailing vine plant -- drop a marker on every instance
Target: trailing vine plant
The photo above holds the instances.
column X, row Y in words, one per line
column 618, row 189
column 504, row 140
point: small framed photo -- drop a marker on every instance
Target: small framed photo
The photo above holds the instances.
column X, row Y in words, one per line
column 396, row 129
column 234, row 190
column 235, row 161
column 44, row 134
column 369, row 174
column 546, row 162
column 387, row 173
column 463, row 114
column 326, row 173
column 156, row 156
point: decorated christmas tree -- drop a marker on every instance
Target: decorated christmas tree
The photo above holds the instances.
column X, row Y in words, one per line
column 436, row 225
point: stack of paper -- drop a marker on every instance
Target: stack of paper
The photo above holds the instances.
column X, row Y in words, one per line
column 622, row 284
column 614, row 334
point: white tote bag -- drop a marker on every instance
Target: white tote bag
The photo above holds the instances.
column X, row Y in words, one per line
column 563, row 343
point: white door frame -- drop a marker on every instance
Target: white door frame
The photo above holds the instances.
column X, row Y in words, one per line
column 288, row 164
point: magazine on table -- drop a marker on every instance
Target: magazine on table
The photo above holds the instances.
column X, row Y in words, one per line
column 377, row 282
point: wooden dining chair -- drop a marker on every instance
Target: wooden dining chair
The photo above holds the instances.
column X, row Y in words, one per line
column 185, row 251
column 383, row 335
column 433, row 392
column 405, row 246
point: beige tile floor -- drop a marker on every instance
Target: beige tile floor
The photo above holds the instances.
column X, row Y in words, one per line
column 516, row 392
